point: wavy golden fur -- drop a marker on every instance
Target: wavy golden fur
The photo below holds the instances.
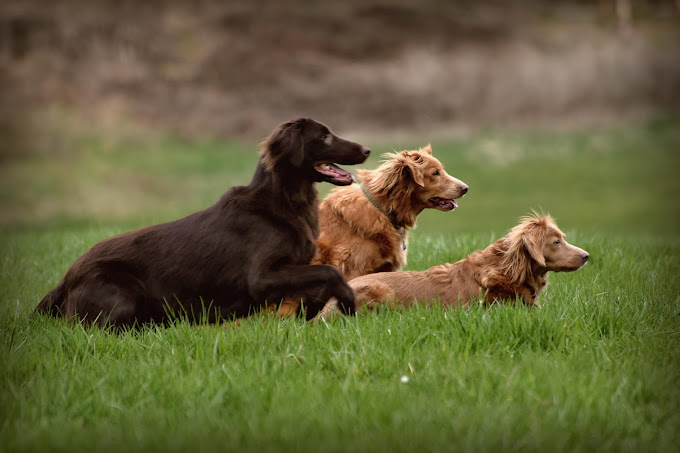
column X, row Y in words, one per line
column 514, row 266
column 357, row 238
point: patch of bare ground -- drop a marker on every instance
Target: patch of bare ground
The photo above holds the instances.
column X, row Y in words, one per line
column 383, row 70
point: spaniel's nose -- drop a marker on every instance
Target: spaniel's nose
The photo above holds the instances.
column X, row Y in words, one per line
column 585, row 256
column 464, row 189
column 366, row 151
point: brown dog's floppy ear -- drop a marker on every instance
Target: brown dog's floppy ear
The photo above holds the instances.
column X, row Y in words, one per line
column 533, row 231
column 413, row 163
column 534, row 245
column 286, row 143
column 523, row 244
column 515, row 261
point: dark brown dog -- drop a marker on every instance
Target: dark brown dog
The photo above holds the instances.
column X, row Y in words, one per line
column 251, row 248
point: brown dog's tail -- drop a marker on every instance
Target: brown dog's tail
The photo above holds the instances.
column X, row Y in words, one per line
column 52, row 301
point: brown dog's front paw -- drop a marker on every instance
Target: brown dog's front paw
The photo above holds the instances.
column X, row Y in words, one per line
column 345, row 301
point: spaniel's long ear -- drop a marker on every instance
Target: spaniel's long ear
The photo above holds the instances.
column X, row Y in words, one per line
column 414, row 163
column 523, row 244
column 534, row 230
column 533, row 243
column 285, row 144
column 515, row 261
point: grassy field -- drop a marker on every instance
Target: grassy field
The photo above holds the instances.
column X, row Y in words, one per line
column 594, row 368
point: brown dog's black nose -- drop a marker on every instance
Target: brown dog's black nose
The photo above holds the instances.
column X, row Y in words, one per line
column 464, row 189
column 585, row 256
column 366, row 151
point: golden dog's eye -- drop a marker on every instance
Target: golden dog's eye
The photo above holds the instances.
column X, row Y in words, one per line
column 557, row 242
column 436, row 173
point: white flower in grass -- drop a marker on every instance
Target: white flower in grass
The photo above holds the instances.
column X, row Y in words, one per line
column 404, row 379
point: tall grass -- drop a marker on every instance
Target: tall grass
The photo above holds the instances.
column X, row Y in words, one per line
column 595, row 367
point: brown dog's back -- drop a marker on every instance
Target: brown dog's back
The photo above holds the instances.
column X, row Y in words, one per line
column 444, row 283
column 251, row 247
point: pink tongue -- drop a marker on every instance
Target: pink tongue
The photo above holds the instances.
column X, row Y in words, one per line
column 334, row 171
column 446, row 203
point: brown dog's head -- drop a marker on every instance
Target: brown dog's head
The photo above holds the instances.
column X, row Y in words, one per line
column 410, row 181
column 537, row 244
column 312, row 151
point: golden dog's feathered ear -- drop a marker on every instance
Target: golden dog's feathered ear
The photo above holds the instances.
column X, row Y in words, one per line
column 426, row 149
column 392, row 171
column 523, row 244
column 534, row 229
column 515, row 261
column 285, row 144
column 414, row 163
column 533, row 243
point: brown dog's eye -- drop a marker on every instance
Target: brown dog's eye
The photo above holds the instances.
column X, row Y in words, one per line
column 436, row 173
column 557, row 242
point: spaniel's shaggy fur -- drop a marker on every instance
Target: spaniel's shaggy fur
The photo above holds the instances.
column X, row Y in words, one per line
column 357, row 237
column 514, row 266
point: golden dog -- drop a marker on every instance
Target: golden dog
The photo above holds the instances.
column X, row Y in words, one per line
column 364, row 228
column 514, row 266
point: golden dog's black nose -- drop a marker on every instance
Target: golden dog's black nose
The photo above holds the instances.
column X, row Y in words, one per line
column 464, row 189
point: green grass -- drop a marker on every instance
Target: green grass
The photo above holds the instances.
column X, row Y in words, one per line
column 619, row 180
column 595, row 368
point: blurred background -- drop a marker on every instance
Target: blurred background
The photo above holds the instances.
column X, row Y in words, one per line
column 125, row 108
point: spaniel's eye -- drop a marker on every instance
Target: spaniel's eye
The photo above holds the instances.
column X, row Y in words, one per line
column 436, row 173
column 324, row 136
column 557, row 242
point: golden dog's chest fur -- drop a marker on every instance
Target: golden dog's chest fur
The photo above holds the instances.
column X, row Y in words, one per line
column 356, row 237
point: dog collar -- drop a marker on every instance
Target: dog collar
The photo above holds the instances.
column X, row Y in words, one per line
column 390, row 215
